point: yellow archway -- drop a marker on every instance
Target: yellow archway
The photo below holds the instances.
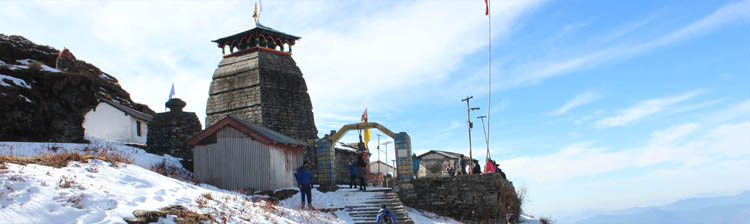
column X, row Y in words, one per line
column 335, row 138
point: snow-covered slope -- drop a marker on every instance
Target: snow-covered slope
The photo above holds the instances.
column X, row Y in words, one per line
column 96, row 191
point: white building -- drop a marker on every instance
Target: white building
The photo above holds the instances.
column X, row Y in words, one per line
column 115, row 122
column 379, row 167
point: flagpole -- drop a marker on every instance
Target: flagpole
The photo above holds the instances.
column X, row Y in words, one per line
column 489, row 72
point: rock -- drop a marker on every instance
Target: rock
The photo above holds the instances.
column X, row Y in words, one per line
column 51, row 105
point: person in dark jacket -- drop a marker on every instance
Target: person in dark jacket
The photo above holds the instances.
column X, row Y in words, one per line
column 385, row 216
column 304, row 180
column 499, row 171
column 476, row 169
column 352, row 174
column 361, row 166
column 450, row 170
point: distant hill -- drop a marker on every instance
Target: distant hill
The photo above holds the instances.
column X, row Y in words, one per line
column 41, row 103
column 725, row 210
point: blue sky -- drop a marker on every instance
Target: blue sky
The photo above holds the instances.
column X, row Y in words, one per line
column 596, row 105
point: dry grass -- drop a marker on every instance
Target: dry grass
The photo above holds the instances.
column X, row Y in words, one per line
column 62, row 159
column 201, row 203
column 35, row 65
column 208, row 196
column 174, row 172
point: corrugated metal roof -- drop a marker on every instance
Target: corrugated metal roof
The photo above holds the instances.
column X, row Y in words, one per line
column 444, row 153
column 128, row 110
column 271, row 134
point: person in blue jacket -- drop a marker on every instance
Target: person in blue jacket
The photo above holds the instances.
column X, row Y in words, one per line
column 385, row 216
column 304, row 180
column 352, row 173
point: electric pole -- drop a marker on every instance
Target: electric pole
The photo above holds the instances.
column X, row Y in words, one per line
column 386, row 157
column 486, row 139
column 468, row 121
column 378, row 149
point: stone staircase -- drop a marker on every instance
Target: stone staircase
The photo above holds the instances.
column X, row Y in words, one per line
column 368, row 212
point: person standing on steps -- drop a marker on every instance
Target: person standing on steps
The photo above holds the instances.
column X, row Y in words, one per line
column 352, row 174
column 362, row 164
column 385, row 216
column 304, row 180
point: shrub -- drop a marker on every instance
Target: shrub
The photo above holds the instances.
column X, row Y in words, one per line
column 522, row 193
column 545, row 220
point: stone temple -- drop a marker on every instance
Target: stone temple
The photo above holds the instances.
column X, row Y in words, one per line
column 258, row 81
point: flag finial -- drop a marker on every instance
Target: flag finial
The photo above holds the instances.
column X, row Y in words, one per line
column 256, row 11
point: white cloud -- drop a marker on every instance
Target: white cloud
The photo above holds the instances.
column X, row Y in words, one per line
column 673, row 133
column 536, row 71
column 738, row 110
column 385, row 59
column 644, row 109
column 579, row 100
column 669, row 145
column 377, row 54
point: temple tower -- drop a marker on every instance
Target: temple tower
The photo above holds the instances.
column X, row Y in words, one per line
column 259, row 82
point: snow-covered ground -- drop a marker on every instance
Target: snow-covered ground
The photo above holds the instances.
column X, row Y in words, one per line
column 98, row 192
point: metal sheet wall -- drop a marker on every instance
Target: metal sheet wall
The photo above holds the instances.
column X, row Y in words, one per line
column 237, row 162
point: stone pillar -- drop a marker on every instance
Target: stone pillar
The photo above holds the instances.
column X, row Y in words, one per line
column 168, row 132
column 326, row 165
column 402, row 143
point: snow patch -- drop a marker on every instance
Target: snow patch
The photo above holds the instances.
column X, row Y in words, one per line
column 24, row 61
column 44, row 67
column 14, row 80
column 26, row 98
column 49, row 69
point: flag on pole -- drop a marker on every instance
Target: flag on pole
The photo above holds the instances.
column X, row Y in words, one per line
column 486, row 7
column 367, row 130
column 171, row 92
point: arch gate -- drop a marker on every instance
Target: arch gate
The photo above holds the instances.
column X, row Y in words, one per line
column 327, row 156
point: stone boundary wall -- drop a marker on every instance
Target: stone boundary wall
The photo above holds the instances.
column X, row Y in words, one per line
column 479, row 198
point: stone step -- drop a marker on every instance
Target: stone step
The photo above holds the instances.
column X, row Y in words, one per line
column 368, row 211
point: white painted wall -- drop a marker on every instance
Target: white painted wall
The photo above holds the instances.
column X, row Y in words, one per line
column 384, row 169
column 108, row 122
